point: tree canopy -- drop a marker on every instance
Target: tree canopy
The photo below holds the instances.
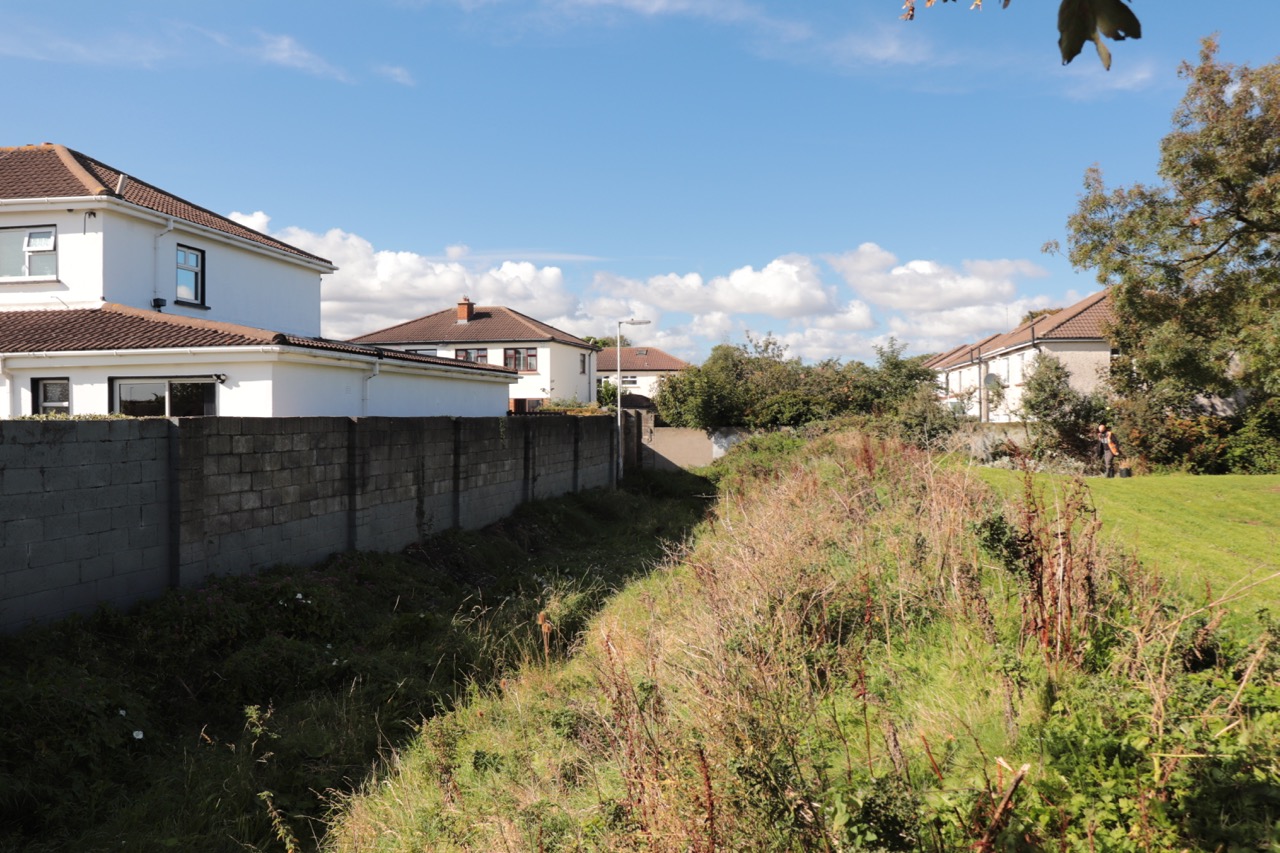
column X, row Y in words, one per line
column 1193, row 261
column 757, row 385
column 1079, row 21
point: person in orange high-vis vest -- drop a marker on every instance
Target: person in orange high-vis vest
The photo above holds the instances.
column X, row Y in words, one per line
column 1108, row 449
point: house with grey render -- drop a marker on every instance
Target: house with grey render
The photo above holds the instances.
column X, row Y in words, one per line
column 984, row 379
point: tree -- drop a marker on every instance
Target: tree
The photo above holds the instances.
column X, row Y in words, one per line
column 756, row 385
column 607, row 394
column 1079, row 21
column 1059, row 417
column 607, row 342
column 1193, row 262
column 1037, row 313
column 895, row 379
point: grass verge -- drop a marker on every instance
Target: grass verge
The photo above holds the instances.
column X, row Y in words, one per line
column 862, row 650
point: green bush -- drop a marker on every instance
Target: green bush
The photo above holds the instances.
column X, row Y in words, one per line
column 1255, row 447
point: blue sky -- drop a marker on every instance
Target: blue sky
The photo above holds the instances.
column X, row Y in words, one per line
column 814, row 169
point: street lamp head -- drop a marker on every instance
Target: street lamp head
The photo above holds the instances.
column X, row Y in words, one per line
column 635, row 322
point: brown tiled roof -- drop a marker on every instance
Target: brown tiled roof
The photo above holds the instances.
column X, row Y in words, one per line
column 55, row 171
column 488, row 324
column 120, row 327
column 1085, row 320
column 638, row 358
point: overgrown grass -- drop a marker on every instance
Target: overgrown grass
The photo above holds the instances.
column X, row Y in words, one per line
column 862, row 651
column 224, row 718
column 1212, row 536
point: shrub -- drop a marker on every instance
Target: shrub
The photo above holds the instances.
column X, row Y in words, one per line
column 1255, row 448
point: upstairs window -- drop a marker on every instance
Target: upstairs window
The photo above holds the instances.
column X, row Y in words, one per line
column 477, row 356
column 521, row 358
column 29, row 252
column 190, row 276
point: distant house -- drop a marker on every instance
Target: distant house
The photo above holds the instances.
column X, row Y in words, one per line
column 985, row 379
column 642, row 368
column 117, row 296
column 551, row 364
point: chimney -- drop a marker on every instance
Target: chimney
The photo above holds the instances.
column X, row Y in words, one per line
column 466, row 310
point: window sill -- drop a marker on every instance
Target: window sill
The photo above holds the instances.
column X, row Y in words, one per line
column 199, row 306
column 30, row 279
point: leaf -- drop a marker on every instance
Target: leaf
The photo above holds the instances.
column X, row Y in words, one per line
column 1088, row 20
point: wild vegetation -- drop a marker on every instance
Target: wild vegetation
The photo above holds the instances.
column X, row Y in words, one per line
column 758, row 386
column 863, row 649
column 224, row 718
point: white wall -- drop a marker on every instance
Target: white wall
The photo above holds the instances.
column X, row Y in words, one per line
column 241, row 285
column 567, row 381
column 262, row 384
column 557, row 376
column 79, row 248
column 1087, row 362
column 303, row 388
column 105, row 253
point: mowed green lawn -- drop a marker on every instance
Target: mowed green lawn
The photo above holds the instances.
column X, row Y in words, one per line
column 1219, row 531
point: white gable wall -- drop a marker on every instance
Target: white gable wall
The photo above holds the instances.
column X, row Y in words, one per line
column 567, row 380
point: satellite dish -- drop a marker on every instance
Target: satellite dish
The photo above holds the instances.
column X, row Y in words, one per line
column 992, row 381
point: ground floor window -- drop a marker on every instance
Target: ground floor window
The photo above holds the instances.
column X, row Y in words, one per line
column 630, row 381
column 52, row 397
column 173, row 398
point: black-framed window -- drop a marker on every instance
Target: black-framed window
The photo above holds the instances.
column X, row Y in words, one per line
column 161, row 397
column 30, row 252
column 520, row 358
column 478, row 356
column 51, row 396
column 428, row 351
column 191, row 275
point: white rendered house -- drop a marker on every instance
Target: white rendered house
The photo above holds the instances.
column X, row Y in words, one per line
column 985, row 379
column 642, row 368
column 119, row 297
column 551, row 364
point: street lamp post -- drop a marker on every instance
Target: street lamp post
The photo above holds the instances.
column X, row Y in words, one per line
column 617, row 352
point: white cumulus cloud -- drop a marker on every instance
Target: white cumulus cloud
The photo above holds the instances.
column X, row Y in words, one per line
column 924, row 285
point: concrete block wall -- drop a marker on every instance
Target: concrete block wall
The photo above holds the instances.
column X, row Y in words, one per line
column 403, row 471
column 84, row 516
column 256, row 492
column 117, row 511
